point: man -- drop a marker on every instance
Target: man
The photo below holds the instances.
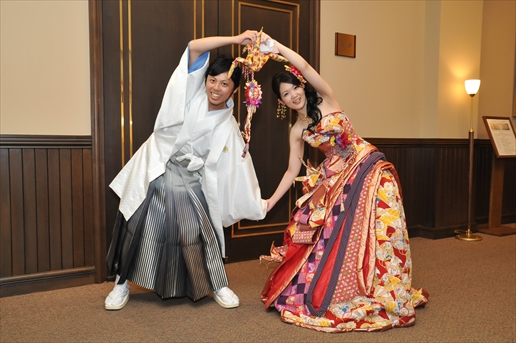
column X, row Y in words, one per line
column 184, row 184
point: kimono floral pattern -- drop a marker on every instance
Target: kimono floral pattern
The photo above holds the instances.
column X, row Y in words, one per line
column 373, row 288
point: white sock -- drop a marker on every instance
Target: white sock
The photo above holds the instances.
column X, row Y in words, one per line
column 116, row 282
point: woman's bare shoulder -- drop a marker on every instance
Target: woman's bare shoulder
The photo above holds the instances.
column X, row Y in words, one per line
column 297, row 129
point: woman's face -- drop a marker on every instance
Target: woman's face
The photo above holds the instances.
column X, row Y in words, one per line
column 293, row 96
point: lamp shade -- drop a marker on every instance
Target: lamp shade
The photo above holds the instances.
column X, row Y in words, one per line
column 472, row 86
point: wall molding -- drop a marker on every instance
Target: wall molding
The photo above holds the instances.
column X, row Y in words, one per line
column 38, row 282
column 44, row 141
column 419, row 142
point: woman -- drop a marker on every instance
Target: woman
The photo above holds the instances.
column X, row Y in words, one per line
column 345, row 262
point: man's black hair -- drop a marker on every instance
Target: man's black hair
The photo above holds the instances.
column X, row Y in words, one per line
column 221, row 65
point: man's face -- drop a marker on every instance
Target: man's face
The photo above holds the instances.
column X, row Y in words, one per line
column 218, row 88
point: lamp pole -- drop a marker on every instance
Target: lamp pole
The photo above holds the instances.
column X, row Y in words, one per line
column 472, row 87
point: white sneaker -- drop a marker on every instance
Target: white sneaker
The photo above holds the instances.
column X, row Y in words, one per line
column 118, row 297
column 226, row 298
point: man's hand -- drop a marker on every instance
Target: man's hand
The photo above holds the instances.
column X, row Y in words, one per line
column 247, row 37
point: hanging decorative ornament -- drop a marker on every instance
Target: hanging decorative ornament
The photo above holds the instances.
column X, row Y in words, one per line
column 253, row 62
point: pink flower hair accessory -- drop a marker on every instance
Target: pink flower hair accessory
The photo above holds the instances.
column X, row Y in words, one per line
column 292, row 69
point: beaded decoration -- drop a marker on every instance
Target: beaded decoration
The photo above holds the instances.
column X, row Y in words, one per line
column 253, row 62
column 281, row 111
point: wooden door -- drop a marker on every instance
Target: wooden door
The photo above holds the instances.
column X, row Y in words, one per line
column 142, row 42
column 292, row 23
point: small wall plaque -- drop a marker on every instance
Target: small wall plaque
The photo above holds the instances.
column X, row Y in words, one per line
column 345, row 45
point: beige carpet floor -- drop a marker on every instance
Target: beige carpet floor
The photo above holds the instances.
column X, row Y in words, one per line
column 472, row 290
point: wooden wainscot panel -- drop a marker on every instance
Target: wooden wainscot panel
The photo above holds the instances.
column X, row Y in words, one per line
column 434, row 180
column 46, row 213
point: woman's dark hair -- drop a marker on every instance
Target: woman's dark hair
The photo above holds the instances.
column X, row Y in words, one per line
column 312, row 98
column 222, row 64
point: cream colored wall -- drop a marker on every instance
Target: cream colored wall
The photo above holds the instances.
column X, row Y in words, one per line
column 45, row 77
column 380, row 89
column 459, row 59
column 407, row 80
column 497, row 64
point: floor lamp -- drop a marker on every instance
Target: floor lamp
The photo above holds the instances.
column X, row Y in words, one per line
column 472, row 87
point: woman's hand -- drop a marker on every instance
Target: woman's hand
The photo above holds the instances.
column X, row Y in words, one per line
column 266, row 38
column 270, row 204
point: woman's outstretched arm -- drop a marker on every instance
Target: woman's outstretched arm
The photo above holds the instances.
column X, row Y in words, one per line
column 309, row 73
column 297, row 147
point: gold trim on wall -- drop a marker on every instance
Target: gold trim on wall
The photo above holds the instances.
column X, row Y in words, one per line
column 122, row 79
column 195, row 19
column 130, row 47
column 233, row 31
column 122, row 133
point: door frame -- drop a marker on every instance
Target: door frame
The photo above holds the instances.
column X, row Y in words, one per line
column 97, row 119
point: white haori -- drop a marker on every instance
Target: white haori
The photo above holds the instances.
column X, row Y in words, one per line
column 182, row 128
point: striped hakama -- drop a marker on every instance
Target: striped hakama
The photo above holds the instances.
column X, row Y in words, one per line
column 169, row 244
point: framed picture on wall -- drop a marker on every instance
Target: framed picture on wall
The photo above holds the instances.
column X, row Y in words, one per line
column 514, row 92
column 502, row 135
column 514, row 103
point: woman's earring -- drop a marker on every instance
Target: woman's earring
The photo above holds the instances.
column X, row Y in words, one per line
column 281, row 111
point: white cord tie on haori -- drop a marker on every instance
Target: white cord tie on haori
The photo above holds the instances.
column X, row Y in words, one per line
column 195, row 164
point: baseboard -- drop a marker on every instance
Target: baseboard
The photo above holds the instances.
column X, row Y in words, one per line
column 440, row 232
column 47, row 281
